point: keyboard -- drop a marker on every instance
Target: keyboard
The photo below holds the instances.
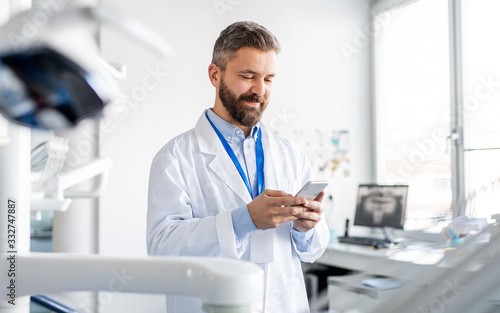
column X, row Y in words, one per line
column 364, row 241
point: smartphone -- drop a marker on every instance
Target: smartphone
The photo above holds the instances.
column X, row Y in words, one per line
column 311, row 189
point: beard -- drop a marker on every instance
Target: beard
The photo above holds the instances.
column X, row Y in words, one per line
column 237, row 108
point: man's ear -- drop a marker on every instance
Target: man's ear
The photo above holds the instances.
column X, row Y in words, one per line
column 214, row 73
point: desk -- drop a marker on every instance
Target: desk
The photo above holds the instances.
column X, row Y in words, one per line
column 397, row 262
column 406, row 263
column 436, row 282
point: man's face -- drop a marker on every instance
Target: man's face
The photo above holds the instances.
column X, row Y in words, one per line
column 236, row 105
column 245, row 85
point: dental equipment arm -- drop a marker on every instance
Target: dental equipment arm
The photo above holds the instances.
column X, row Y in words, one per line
column 58, row 198
column 223, row 285
column 79, row 16
column 65, row 180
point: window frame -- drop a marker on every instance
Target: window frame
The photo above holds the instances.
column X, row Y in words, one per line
column 456, row 106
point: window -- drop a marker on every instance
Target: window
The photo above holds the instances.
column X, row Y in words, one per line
column 412, row 107
column 437, row 106
column 481, row 106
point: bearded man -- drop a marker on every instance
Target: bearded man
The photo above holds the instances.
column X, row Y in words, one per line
column 224, row 188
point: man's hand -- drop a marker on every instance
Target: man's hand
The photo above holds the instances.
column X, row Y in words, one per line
column 274, row 207
column 308, row 219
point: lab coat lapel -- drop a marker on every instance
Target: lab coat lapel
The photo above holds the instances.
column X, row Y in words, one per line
column 262, row 241
column 221, row 165
column 273, row 156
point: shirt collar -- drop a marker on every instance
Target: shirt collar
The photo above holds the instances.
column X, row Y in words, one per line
column 228, row 130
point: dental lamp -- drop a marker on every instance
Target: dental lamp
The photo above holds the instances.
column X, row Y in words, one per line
column 53, row 76
column 53, row 79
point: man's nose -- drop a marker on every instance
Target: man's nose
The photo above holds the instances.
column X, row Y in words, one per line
column 259, row 88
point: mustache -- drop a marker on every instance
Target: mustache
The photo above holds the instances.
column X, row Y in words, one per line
column 253, row 98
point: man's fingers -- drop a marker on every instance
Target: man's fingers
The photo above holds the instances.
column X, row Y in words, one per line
column 292, row 210
column 308, row 215
column 319, row 198
column 276, row 193
column 314, row 206
column 281, row 198
column 291, row 201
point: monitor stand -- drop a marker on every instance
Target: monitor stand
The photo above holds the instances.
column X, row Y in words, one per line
column 390, row 235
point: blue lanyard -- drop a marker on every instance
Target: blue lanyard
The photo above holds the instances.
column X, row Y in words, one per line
column 260, row 160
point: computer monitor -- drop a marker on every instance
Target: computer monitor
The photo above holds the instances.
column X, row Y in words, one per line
column 381, row 206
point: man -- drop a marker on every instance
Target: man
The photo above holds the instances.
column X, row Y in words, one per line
column 224, row 188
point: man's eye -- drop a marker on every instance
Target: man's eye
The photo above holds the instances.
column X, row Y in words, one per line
column 246, row 77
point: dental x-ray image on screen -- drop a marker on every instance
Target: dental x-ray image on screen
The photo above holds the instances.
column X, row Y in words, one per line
column 381, row 205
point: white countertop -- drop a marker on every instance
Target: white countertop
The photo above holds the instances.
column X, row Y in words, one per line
column 397, row 261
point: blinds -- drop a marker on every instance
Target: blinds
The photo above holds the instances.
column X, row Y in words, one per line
column 412, row 107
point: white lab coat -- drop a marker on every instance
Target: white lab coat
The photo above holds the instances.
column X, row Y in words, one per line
column 192, row 189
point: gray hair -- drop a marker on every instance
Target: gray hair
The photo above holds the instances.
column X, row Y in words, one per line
column 239, row 35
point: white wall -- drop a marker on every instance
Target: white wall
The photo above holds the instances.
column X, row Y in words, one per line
column 316, row 86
